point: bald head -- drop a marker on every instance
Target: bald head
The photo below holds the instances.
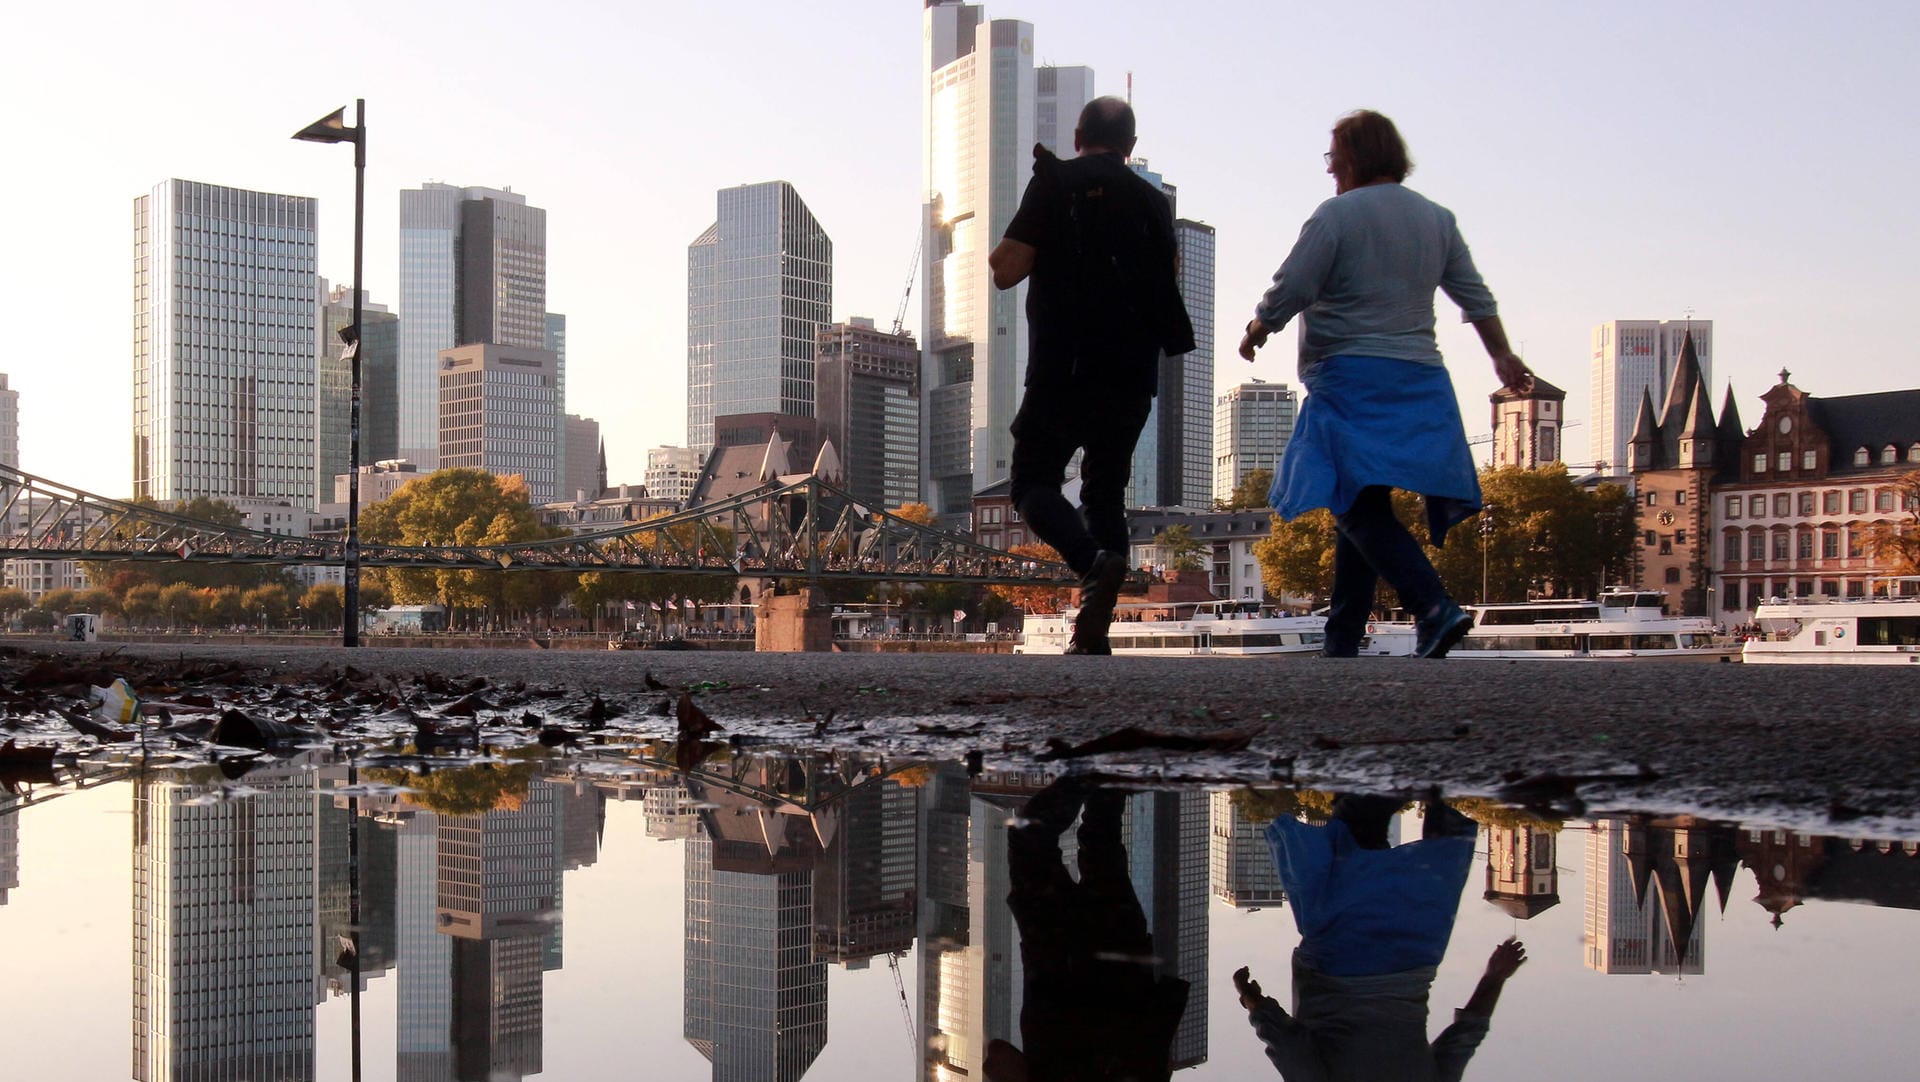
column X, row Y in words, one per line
column 1106, row 127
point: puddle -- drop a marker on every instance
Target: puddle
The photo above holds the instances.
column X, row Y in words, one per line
column 695, row 910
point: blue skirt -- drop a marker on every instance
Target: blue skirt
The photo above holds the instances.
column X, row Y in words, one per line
column 1368, row 912
column 1377, row 421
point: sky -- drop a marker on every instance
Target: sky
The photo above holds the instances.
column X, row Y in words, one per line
column 1748, row 163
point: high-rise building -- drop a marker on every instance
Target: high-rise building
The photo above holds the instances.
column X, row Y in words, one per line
column 1173, row 459
column 224, row 326
column 585, row 461
column 863, row 890
column 1639, row 920
column 1251, row 426
column 1239, row 864
column 1059, row 95
column 555, row 341
column 499, row 411
column 759, row 288
column 223, row 928
column 1631, row 358
column 9, row 424
column 868, row 404
column 1165, row 833
column 423, row 1030
column 9, row 844
column 473, row 271
column 672, row 472
column 755, row 991
column 981, row 116
column 333, row 410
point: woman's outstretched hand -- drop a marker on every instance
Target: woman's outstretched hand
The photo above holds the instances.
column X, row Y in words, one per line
column 1507, row 957
column 1513, row 372
column 1248, row 988
column 1255, row 337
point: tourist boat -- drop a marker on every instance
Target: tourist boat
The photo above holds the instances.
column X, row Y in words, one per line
column 1228, row 628
column 1621, row 624
column 1830, row 631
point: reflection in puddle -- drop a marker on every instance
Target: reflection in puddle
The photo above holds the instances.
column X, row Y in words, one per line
column 835, row 915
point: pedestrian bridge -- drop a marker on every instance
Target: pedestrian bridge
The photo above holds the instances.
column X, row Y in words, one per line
column 805, row 528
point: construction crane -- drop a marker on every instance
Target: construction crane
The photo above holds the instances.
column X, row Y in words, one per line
column 899, row 986
column 900, row 314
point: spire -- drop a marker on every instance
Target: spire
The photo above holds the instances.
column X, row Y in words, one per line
column 1700, row 426
column 826, row 464
column 1731, row 430
column 774, row 464
column 1686, row 374
column 1646, row 438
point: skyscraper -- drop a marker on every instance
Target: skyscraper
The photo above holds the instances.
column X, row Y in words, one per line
column 555, row 341
column 224, row 327
column 868, row 390
column 379, row 345
column 1239, row 864
column 499, row 412
column 9, row 424
column 1252, row 424
column 759, row 288
column 1632, row 357
column 223, row 929
column 473, row 271
column 1173, row 460
column 585, row 462
column 1165, row 833
column 981, row 113
column 672, row 472
column 9, row 844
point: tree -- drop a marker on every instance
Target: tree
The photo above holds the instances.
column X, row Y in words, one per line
column 1185, row 552
column 1034, row 598
column 97, row 600
column 461, row 507
column 175, row 603
column 323, row 603
column 60, row 602
column 1296, row 558
column 1897, row 543
column 1250, row 494
column 271, row 603
column 13, row 602
column 141, row 605
column 916, row 512
column 120, row 576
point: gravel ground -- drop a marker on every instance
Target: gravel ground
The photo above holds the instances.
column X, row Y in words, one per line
column 1812, row 746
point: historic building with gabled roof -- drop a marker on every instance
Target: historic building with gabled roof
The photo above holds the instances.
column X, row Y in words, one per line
column 1729, row 517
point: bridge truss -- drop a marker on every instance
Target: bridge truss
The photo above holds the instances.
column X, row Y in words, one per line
column 804, row 528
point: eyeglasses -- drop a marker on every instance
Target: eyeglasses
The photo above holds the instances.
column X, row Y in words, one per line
column 1327, row 157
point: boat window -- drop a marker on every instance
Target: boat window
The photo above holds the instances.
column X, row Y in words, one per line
column 1607, row 642
column 1653, row 642
column 1890, row 631
column 1650, row 601
column 1541, row 615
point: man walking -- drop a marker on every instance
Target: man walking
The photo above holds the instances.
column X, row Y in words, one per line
column 1097, row 242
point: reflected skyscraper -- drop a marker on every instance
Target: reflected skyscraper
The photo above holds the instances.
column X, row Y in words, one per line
column 755, row 991
column 863, row 890
column 1166, row 834
column 424, row 1029
column 1240, row 866
column 223, row 930
column 9, row 844
column 1644, row 888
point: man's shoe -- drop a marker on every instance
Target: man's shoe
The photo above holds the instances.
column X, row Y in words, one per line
column 1442, row 631
column 1099, row 592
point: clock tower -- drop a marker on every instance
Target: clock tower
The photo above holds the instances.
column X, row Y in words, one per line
column 1674, row 460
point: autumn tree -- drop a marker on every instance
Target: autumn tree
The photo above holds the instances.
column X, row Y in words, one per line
column 59, row 602
column 271, row 603
column 323, row 603
column 1897, row 543
column 1250, row 494
column 120, row 576
column 457, row 507
column 917, row 513
column 1185, row 552
column 13, row 602
column 174, row 603
column 1034, row 598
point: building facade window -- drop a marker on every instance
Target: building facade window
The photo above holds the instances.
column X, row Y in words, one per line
column 1829, row 544
column 1653, row 499
column 1809, row 460
column 1883, row 500
column 1857, row 499
column 1785, row 461
column 1760, row 463
column 1756, row 506
column 1806, row 504
column 1756, row 546
column 1780, row 545
column 1889, row 455
column 1856, row 544
column 1829, row 503
column 1673, row 575
column 1803, row 545
column 1730, row 550
column 1680, row 496
column 1782, row 505
column 1733, row 507
column 1862, row 458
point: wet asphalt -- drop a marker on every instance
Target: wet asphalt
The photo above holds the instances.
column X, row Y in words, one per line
column 1809, row 746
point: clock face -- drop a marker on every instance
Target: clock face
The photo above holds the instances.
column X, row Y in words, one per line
column 1786, row 425
column 1666, row 518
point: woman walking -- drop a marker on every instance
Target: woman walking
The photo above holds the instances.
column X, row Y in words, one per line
column 1380, row 412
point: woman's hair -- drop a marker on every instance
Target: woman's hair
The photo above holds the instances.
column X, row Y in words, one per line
column 1373, row 146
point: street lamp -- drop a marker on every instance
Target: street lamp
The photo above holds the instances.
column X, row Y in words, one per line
column 332, row 129
column 1486, row 539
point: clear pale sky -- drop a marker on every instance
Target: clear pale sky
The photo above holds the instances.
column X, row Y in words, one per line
column 1751, row 162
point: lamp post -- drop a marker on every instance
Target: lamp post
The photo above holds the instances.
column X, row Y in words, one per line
column 332, row 129
column 1486, row 539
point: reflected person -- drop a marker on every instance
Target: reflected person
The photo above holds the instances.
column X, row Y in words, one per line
column 1094, row 1006
column 1374, row 920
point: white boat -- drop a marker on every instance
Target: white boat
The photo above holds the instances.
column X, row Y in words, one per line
column 1229, row 628
column 1830, row 631
column 1621, row 624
